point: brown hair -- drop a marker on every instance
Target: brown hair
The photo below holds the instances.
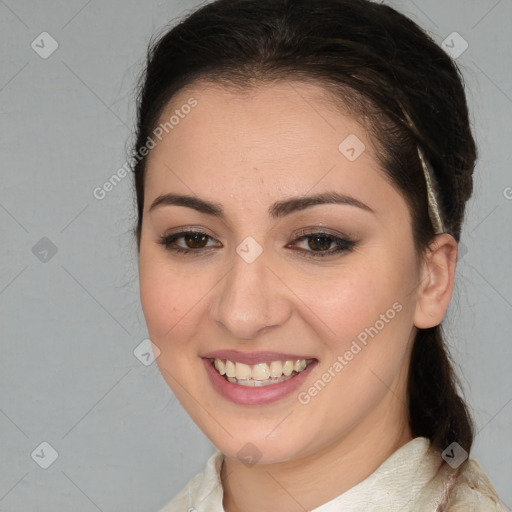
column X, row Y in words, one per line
column 383, row 68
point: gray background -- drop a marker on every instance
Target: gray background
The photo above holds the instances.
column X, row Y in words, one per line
column 70, row 321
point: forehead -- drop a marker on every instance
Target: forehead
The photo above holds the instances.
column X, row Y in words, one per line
column 277, row 139
column 282, row 115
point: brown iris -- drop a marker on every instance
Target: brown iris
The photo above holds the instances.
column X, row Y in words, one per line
column 195, row 240
column 319, row 242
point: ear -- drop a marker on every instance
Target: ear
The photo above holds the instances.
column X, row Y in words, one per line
column 437, row 277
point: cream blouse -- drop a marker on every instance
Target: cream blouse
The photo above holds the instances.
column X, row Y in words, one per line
column 413, row 479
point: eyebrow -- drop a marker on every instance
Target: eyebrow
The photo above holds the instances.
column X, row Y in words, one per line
column 277, row 210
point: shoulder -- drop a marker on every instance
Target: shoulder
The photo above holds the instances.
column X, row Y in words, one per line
column 203, row 491
column 182, row 501
column 471, row 491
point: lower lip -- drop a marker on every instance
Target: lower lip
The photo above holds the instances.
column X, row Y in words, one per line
column 255, row 395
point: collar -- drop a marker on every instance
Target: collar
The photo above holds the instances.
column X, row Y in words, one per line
column 396, row 485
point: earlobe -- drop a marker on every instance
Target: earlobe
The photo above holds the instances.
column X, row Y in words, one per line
column 436, row 284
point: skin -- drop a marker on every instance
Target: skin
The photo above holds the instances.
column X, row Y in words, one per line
column 245, row 151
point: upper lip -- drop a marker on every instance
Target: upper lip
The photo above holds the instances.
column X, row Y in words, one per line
column 254, row 357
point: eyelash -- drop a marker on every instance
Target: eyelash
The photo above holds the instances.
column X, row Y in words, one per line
column 343, row 244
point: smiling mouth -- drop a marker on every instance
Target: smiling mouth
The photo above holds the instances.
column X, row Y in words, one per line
column 261, row 374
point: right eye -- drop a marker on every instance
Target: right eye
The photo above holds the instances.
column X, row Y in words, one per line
column 193, row 242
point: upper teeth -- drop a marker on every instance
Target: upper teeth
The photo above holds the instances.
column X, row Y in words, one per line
column 260, row 371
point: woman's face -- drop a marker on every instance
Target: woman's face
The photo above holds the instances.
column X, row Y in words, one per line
column 304, row 254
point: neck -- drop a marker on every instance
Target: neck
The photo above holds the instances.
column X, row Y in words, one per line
column 306, row 483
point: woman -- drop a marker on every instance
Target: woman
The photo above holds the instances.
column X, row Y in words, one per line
column 301, row 173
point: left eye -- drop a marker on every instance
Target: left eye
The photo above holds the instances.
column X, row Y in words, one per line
column 319, row 244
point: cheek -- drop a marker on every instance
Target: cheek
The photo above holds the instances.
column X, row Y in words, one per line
column 369, row 303
column 174, row 299
column 354, row 299
column 165, row 295
column 167, row 301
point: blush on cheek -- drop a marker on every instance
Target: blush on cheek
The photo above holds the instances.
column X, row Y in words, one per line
column 171, row 320
column 159, row 312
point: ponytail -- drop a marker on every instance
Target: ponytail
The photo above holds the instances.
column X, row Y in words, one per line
column 436, row 410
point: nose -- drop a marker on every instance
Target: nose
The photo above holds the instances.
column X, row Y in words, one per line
column 251, row 300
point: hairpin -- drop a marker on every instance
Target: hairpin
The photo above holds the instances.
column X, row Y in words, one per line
column 433, row 207
column 434, row 212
